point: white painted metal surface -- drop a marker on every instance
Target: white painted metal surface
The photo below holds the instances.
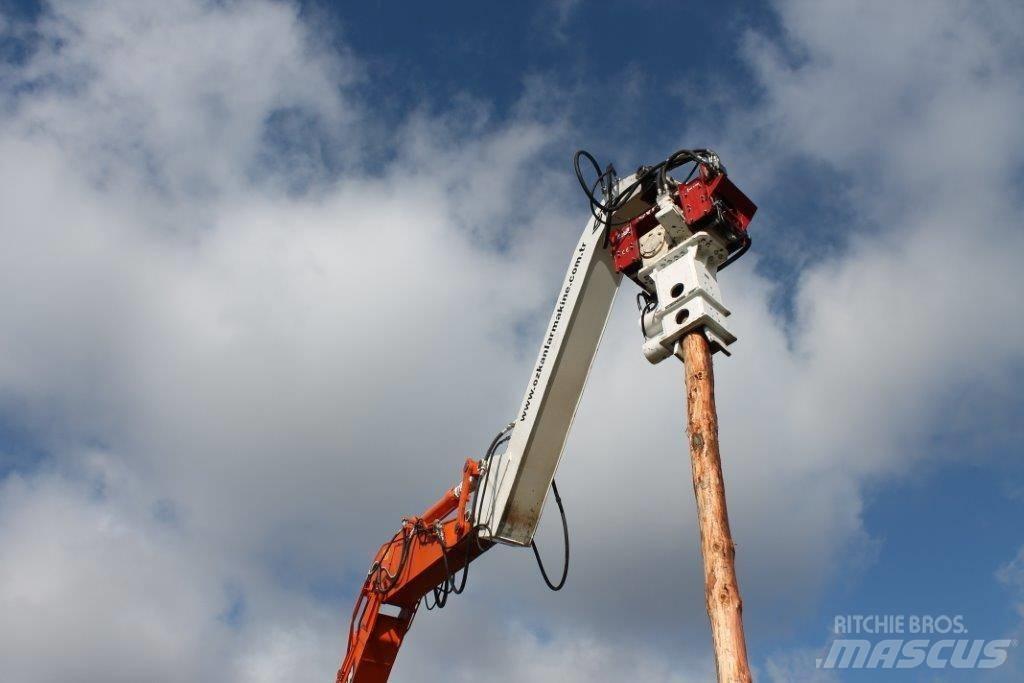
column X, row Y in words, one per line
column 520, row 478
column 686, row 281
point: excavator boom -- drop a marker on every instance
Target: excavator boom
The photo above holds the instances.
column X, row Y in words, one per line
column 671, row 239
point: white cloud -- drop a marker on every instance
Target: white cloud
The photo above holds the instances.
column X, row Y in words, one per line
column 93, row 589
column 290, row 372
column 1011, row 575
column 180, row 93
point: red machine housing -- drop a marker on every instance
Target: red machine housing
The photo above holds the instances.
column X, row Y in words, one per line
column 710, row 202
column 624, row 241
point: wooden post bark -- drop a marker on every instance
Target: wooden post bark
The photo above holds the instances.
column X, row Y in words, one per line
column 725, row 607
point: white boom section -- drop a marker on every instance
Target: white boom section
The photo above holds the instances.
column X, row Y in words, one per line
column 523, row 474
column 518, row 482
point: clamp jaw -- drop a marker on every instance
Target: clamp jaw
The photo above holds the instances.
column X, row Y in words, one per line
column 685, row 282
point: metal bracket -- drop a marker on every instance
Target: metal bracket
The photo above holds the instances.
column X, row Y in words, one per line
column 685, row 280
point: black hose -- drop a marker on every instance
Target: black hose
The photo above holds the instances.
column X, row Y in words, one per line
column 610, row 202
column 736, row 254
column 481, row 488
column 650, row 302
column 565, row 532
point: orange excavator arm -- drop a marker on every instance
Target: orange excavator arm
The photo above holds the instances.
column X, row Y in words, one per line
column 422, row 558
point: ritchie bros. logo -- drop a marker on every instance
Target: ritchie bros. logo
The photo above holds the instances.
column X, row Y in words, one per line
column 910, row 642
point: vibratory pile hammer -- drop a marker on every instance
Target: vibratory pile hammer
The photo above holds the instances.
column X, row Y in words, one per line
column 671, row 238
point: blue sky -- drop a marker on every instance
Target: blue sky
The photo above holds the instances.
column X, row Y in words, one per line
column 203, row 364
